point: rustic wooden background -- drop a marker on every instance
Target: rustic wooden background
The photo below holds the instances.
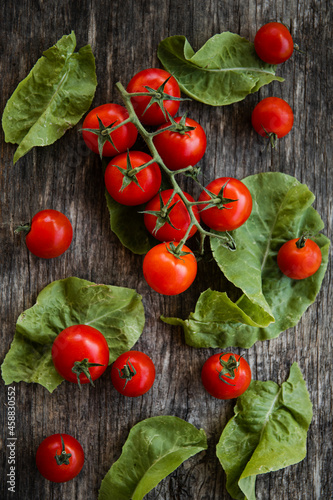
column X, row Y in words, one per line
column 66, row 176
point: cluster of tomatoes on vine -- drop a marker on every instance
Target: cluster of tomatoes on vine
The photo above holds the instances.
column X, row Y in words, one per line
column 80, row 353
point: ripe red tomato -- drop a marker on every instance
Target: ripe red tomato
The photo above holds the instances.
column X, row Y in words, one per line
column 133, row 373
column 178, row 216
column 50, row 234
column 59, row 458
column 80, row 354
column 129, row 189
column 226, row 376
column 181, row 148
column 99, row 141
column 227, row 215
column 272, row 117
column 148, row 109
column 273, row 43
column 299, row 258
column 167, row 274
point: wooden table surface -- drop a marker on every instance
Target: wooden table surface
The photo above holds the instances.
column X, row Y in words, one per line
column 124, row 36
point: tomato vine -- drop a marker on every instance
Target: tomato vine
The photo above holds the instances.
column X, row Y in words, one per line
column 190, row 171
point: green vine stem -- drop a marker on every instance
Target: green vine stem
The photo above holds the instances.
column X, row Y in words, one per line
column 148, row 138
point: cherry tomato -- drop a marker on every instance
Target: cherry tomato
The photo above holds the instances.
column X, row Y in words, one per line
column 226, row 376
column 129, row 189
column 154, row 78
column 273, row 43
column 299, row 258
column 171, row 216
column 181, row 148
column 59, row 458
column 80, row 354
column 110, row 115
column 226, row 214
column 133, row 373
column 166, row 273
column 50, row 234
column 272, row 117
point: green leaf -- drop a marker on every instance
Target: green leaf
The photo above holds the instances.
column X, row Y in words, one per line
column 127, row 223
column 271, row 302
column 154, row 448
column 267, row 433
column 115, row 311
column 225, row 70
column 52, row 98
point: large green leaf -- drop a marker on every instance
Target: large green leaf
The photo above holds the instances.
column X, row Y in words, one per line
column 267, row 433
column 225, row 70
column 281, row 210
column 115, row 311
column 52, row 98
column 154, row 448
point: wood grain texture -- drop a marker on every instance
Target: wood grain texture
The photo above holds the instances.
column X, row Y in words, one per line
column 65, row 176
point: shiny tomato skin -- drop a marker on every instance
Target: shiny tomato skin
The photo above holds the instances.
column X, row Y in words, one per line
column 76, row 343
column 299, row 263
column 50, row 235
column 143, row 379
column 179, row 217
column 47, row 465
column 167, row 274
column 153, row 78
column 272, row 116
column 181, row 150
column 234, row 214
column 149, row 179
column 273, row 43
column 219, row 389
column 123, row 138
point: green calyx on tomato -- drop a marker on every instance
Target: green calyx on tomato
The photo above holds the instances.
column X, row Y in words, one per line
column 25, row 227
column 218, row 200
column 177, row 251
column 229, row 368
column 127, row 372
column 179, row 126
column 302, row 240
column 63, row 458
column 162, row 215
column 83, row 367
column 158, row 96
column 103, row 135
column 129, row 174
column 272, row 138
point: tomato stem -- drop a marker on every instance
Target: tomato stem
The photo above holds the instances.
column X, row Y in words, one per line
column 127, row 372
column 63, row 458
column 83, row 367
column 229, row 368
column 24, row 227
column 301, row 242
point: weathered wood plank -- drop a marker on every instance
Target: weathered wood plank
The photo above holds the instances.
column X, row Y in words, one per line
column 124, row 36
